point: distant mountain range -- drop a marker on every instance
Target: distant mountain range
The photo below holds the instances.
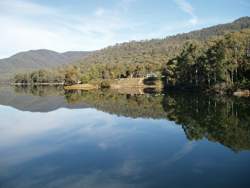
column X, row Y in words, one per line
column 37, row 59
column 126, row 52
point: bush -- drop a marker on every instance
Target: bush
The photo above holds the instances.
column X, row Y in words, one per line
column 105, row 84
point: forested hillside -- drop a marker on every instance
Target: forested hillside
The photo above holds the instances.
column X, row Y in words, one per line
column 206, row 58
column 35, row 60
column 161, row 50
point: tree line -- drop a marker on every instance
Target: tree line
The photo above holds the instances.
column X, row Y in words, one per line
column 222, row 63
column 218, row 62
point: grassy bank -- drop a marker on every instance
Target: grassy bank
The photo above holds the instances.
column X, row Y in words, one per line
column 119, row 84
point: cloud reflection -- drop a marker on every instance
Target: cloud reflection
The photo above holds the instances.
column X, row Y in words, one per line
column 85, row 148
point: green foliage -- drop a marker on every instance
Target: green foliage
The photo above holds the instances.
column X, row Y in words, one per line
column 21, row 78
column 214, row 63
column 105, row 84
column 72, row 75
column 206, row 63
column 40, row 76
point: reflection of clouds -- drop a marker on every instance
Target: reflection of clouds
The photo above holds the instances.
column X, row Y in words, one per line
column 103, row 145
column 130, row 168
column 39, row 135
column 96, row 179
column 25, row 135
column 21, row 154
column 110, row 178
column 186, row 149
column 26, row 126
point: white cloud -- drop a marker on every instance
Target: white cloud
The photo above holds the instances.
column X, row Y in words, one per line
column 24, row 7
column 27, row 25
column 244, row 3
column 187, row 8
column 125, row 4
column 99, row 12
column 193, row 20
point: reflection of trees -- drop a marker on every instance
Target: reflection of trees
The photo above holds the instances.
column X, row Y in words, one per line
column 218, row 119
column 39, row 90
column 223, row 120
column 146, row 106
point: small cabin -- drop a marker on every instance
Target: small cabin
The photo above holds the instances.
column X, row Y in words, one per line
column 151, row 75
column 248, row 52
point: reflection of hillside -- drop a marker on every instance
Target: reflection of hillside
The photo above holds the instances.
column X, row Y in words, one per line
column 223, row 120
column 41, row 91
column 146, row 106
column 39, row 99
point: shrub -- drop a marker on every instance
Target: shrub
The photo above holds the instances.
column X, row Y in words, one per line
column 105, row 84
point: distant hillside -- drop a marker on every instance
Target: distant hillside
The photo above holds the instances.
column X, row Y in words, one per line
column 217, row 30
column 37, row 59
column 220, row 50
column 161, row 50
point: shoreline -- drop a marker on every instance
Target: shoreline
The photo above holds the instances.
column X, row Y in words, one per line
column 37, row 84
column 136, row 85
column 242, row 93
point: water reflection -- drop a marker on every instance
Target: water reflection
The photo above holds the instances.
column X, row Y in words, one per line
column 120, row 140
column 89, row 148
column 36, row 99
column 221, row 119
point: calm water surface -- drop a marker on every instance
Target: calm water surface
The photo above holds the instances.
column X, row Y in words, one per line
column 49, row 138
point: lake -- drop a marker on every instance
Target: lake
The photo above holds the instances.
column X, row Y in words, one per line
column 52, row 138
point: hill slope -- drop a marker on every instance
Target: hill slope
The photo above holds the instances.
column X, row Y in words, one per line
column 37, row 59
column 161, row 50
column 217, row 30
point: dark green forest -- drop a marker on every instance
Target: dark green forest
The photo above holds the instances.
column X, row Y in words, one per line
column 213, row 58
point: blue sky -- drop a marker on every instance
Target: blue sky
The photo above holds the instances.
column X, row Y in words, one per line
column 64, row 25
